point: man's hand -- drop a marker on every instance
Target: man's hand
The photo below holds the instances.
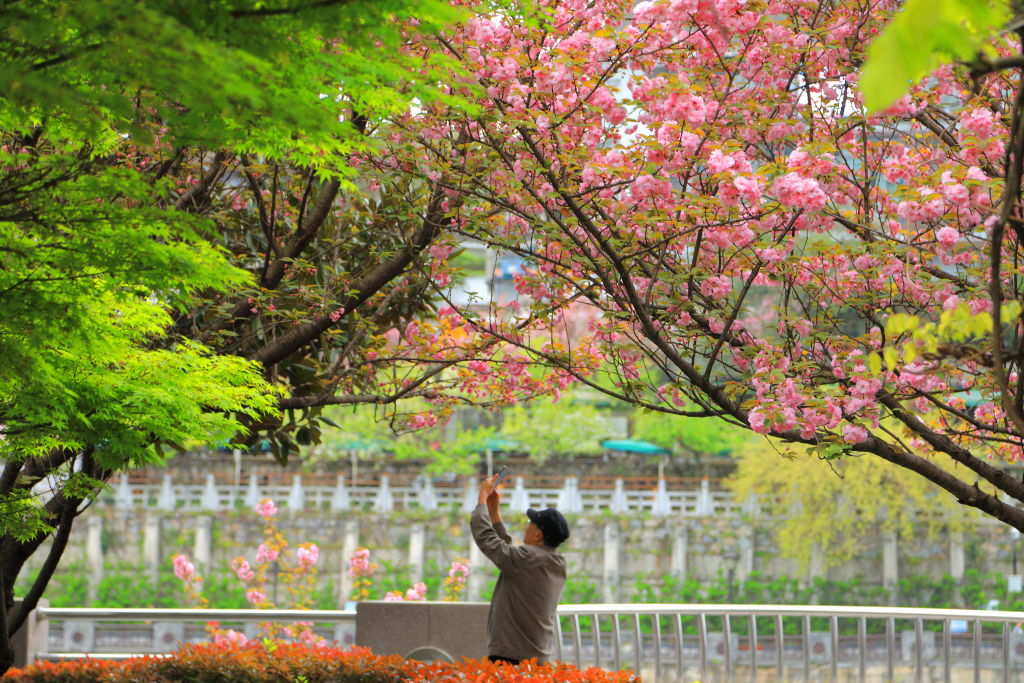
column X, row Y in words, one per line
column 490, row 496
column 486, row 488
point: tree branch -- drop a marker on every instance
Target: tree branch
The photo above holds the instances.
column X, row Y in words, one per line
column 278, row 11
column 60, row 540
column 434, row 221
column 197, row 193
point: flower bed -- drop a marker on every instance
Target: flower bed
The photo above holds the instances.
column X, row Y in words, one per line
column 258, row 663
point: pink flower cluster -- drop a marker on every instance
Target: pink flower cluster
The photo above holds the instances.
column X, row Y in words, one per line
column 308, row 554
column 266, row 508
column 458, row 570
column 359, row 564
column 716, row 286
column 230, row 637
column 800, row 192
column 416, row 593
column 241, row 567
column 183, row 569
column 266, row 553
column 255, row 596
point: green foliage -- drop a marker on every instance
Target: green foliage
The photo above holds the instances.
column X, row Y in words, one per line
column 957, row 325
column 89, row 279
column 545, row 429
column 370, row 431
column 837, row 503
column 254, row 76
column 922, row 36
column 700, row 436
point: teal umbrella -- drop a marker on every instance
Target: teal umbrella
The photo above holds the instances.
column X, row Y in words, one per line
column 634, row 446
column 498, row 444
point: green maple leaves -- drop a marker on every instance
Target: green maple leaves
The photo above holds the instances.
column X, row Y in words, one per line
column 924, row 35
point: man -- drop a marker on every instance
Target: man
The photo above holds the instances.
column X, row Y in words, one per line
column 522, row 623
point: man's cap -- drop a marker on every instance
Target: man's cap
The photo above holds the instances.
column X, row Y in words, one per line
column 552, row 524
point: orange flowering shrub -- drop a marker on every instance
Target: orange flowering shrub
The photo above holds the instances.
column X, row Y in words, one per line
column 289, row 662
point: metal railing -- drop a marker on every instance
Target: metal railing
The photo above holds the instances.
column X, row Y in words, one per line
column 677, row 642
column 745, row 642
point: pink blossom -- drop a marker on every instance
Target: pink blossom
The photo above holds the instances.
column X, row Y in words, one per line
column 266, row 508
column 756, row 418
column 975, row 173
column 393, row 596
column 242, row 569
column 308, row 637
column 359, row 563
column 798, row 159
column 948, row 236
column 688, row 143
column 718, row 162
column 716, row 286
column 266, row 553
column 231, row 637
column 458, row 569
column 978, row 121
column 417, row 592
column 749, row 189
column 800, row 192
column 853, row 433
column 255, row 596
column 308, row 555
column 183, row 569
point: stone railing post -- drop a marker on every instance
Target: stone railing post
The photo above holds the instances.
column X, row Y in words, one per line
column 349, row 545
column 384, row 501
column 32, row 639
column 94, row 552
column 296, row 496
column 340, row 500
column 204, row 542
column 610, row 587
column 152, row 550
column 417, row 551
column 890, row 559
column 209, row 500
column 956, row 555
column 680, row 543
column 166, row 500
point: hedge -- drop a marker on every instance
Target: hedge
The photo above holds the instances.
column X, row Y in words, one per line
column 287, row 663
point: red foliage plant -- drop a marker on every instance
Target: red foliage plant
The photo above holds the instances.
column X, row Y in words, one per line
column 256, row 662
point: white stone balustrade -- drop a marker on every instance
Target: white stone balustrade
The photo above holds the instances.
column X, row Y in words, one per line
column 293, row 495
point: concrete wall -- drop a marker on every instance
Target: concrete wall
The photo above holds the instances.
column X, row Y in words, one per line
column 608, row 551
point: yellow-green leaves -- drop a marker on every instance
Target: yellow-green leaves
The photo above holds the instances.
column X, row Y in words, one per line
column 922, row 36
column 957, row 325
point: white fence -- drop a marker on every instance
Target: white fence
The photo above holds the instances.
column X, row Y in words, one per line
column 424, row 494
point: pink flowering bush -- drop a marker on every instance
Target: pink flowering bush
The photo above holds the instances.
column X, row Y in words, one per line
column 297, row 577
column 455, row 582
column 361, row 570
column 417, row 593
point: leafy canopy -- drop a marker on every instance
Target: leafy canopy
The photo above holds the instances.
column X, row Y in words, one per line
column 271, row 78
column 922, row 36
column 839, row 504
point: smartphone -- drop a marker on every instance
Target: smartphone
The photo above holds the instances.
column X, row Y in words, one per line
column 502, row 473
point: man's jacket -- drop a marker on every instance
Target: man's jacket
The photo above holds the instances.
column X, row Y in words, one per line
column 522, row 622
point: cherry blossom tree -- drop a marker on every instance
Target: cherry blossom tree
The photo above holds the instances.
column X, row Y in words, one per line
column 701, row 175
